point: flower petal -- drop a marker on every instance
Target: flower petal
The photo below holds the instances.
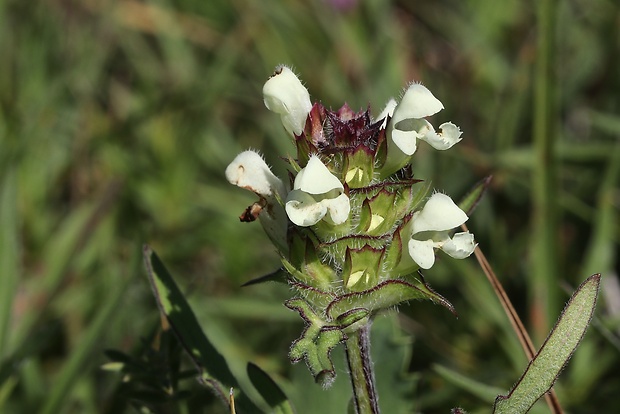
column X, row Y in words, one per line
column 387, row 111
column 405, row 133
column 417, row 103
column 284, row 94
column 450, row 134
column 315, row 178
column 250, row 171
column 339, row 208
column 421, row 251
column 460, row 246
column 303, row 210
column 438, row 214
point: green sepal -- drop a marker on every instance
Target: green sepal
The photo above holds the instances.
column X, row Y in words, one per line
column 386, row 295
column 337, row 249
column 393, row 253
column 353, row 319
column 361, row 268
column 393, row 205
column 364, row 217
column 315, row 343
column 318, row 298
column 358, row 168
column 305, row 265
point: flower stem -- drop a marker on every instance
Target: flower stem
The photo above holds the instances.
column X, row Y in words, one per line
column 361, row 371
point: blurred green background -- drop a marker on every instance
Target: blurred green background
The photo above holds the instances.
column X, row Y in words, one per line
column 118, row 118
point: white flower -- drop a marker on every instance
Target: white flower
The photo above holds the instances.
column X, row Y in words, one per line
column 317, row 194
column 430, row 229
column 284, row 94
column 248, row 170
column 408, row 125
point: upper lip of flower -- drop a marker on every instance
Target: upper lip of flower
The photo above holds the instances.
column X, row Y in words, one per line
column 250, row 171
column 284, row 94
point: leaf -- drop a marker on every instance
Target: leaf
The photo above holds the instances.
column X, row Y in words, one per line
column 484, row 392
column 279, row 275
column 472, row 198
column 543, row 370
column 213, row 368
column 269, row 390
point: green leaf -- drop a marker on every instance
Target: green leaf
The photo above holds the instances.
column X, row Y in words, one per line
column 544, row 369
column 472, row 198
column 485, row 392
column 269, row 390
column 279, row 275
column 213, row 368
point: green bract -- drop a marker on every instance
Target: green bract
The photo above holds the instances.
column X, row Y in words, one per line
column 352, row 225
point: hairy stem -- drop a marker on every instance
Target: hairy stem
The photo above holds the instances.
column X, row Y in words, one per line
column 361, row 372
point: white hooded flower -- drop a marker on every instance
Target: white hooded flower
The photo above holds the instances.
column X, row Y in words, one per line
column 248, row 170
column 408, row 125
column 430, row 229
column 284, row 94
column 317, row 194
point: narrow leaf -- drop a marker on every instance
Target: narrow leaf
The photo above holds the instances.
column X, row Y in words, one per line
column 484, row 392
column 279, row 275
column 472, row 198
column 213, row 368
column 544, row 369
column 269, row 390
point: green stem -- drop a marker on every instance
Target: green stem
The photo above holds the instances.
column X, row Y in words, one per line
column 361, row 371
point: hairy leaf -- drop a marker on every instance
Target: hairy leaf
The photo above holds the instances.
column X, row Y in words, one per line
column 544, row 369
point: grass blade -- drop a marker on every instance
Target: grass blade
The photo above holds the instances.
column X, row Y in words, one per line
column 9, row 257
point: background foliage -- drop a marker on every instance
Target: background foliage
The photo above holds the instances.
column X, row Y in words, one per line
column 118, row 118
